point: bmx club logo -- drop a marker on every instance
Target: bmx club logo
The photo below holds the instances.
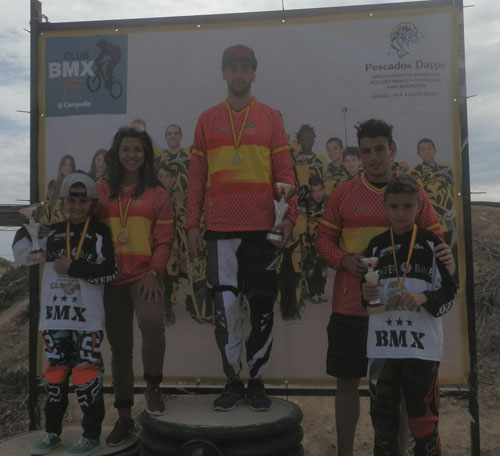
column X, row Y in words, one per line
column 403, row 36
column 103, row 69
column 86, row 75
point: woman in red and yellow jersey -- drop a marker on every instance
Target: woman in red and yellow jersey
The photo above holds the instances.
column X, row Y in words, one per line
column 138, row 212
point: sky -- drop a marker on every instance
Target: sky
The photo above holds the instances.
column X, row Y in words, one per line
column 482, row 46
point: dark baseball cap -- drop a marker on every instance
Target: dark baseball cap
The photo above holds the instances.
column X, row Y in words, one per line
column 239, row 52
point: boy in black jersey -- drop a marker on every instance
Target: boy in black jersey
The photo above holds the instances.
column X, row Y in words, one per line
column 80, row 260
column 405, row 339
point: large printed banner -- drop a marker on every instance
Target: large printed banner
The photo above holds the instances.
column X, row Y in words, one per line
column 327, row 69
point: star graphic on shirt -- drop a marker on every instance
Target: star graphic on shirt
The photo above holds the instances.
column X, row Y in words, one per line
column 409, row 322
column 64, row 298
column 389, row 322
column 399, row 322
column 73, row 299
column 54, row 298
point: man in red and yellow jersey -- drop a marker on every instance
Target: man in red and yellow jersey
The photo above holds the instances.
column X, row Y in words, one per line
column 239, row 152
column 354, row 214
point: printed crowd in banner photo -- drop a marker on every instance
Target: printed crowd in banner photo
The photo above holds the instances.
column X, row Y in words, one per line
column 302, row 273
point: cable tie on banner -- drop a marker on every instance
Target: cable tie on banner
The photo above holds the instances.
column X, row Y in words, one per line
column 283, row 10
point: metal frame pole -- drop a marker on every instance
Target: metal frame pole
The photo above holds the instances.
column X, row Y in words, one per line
column 34, row 304
column 469, row 263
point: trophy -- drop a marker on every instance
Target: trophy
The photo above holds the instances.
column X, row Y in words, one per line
column 280, row 207
column 33, row 228
column 374, row 306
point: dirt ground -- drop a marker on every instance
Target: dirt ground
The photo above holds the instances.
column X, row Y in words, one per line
column 318, row 423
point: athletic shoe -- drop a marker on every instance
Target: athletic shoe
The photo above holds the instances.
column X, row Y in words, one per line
column 323, row 298
column 46, row 444
column 121, row 432
column 84, row 447
column 154, row 399
column 233, row 394
column 257, row 396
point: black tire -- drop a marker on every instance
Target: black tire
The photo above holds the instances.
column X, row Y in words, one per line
column 181, row 432
column 195, row 446
column 144, row 452
column 116, row 89
column 284, row 445
column 134, row 450
column 94, row 82
column 278, row 444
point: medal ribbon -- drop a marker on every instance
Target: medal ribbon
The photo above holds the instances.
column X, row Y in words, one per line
column 123, row 215
column 401, row 283
column 80, row 242
column 237, row 139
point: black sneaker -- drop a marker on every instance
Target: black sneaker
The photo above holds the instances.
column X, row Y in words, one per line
column 233, row 394
column 257, row 396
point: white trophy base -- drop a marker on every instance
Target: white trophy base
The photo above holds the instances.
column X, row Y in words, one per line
column 274, row 237
column 375, row 307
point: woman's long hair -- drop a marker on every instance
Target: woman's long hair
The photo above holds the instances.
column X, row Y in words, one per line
column 55, row 184
column 115, row 171
column 93, row 171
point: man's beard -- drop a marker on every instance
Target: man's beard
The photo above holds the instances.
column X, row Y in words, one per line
column 240, row 90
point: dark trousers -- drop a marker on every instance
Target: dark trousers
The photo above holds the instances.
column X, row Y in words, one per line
column 418, row 381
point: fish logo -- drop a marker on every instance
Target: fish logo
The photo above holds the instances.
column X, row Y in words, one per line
column 403, row 36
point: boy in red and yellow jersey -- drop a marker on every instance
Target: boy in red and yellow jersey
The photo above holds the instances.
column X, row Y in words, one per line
column 239, row 152
column 354, row 214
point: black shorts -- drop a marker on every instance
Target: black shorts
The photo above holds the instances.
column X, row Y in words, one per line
column 346, row 355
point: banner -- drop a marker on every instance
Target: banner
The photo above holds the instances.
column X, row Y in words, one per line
column 327, row 69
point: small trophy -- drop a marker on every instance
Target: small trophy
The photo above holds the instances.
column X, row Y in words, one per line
column 374, row 306
column 280, row 207
column 33, row 228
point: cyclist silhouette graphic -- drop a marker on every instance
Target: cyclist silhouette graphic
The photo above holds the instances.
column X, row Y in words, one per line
column 104, row 69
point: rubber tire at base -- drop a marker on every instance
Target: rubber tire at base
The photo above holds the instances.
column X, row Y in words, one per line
column 282, row 437
column 283, row 444
column 182, row 432
column 298, row 451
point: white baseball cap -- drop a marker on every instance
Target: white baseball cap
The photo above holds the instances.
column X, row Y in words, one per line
column 78, row 178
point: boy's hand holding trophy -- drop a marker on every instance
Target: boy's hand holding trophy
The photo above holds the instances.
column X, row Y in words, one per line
column 284, row 191
column 374, row 305
column 33, row 229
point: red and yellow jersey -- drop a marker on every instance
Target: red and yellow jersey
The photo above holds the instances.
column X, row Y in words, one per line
column 354, row 215
column 235, row 186
column 149, row 230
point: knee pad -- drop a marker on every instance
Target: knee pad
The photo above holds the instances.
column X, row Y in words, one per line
column 86, row 374
column 57, row 374
column 424, row 427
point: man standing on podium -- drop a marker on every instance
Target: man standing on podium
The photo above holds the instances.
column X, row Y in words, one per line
column 239, row 154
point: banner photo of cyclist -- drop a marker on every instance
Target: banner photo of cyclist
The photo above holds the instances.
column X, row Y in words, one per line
column 325, row 70
column 86, row 75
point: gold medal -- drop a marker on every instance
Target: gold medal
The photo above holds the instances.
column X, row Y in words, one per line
column 237, row 159
column 123, row 237
column 69, row 288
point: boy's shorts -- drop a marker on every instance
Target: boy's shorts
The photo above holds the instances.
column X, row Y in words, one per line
column 346, row 355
